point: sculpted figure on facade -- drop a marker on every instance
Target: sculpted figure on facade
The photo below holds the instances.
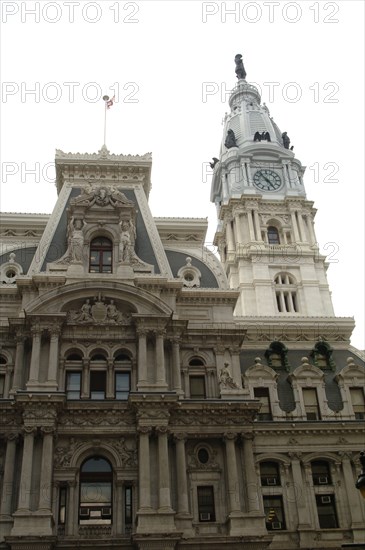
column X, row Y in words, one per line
column 225, row 378
column 75, row 248
column 240, row 70
column 101, row 196
column 98, row 312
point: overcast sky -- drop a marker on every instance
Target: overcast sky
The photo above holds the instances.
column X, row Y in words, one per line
column 171, row 66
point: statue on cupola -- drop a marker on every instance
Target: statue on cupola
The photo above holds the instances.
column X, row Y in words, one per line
column 240, row 70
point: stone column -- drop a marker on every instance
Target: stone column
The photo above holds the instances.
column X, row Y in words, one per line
column 120, row 507
column 249, row 172
column 353, row 497
column 53, row 357
column 230, row 237
column 176, row 365
column 36, row 349
column 312, row 236
column 163, row 470
column 232, row 473
column 285, row 173
column 142, row 357
column 7, row 383
column 8, row 478
column 182, row 486
column 302, row 228
column 110, row 380
column 144, row 469
column 160, row 358
column 71, row 519
column 185, row 373
column 253, row 504
column 61, row 375
column 250, row 225
column 19, row 361
column 45, row 489
column 85, row 390
column 301, row 501
column 26, row 470
column 257, row 225
column 295, row 227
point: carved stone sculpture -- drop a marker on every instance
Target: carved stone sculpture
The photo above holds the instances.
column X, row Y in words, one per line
column 240, row 70
column 230, row 139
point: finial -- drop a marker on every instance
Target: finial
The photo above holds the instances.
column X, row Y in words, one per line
column 240, row 70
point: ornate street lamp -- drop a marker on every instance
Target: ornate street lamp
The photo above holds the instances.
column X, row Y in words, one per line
column 360, row 484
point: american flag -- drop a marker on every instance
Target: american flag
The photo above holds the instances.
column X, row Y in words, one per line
column 110, row 102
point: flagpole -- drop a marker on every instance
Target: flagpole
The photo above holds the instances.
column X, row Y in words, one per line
column 106, row 99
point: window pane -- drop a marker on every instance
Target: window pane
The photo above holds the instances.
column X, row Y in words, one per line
column 95, row 492
column 97, row 384
column 265, row 411
column 269, row 473
column 206, row 503
column 321, row 473
column 326, row 511
column 274, row 513
column 73, row 385
column 2, row 385
column 122, row 385
column 197, row 386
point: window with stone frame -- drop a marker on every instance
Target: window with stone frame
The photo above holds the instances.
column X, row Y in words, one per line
column 3, row 363
column 321, row 472
column 273, row 235
column 122, row 380
column 321, row 356
column 326, row 510
column 206, row 507
column 270, row 474
column 98, row 373
column 101, row 255
column 73, row 375
column 274, row 512
column 265, row 411
column 197, row 378
column 358, row 402
column 286, row 293
column 277, row 356
column 311, row 404
column 197, row 387
column 73, row 385
column 95, row 495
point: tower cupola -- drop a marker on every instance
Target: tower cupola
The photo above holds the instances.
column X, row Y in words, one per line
column 251, row 142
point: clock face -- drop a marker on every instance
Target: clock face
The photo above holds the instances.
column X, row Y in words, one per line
column 267, row 180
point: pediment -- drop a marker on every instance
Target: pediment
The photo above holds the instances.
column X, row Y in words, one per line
column 70, row 298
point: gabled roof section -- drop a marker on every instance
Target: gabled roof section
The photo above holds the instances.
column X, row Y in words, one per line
column 103, row 165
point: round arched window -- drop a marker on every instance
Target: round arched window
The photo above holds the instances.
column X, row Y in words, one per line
column 96, row 479
column 101, row 255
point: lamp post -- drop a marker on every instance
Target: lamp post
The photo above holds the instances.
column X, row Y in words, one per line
column 360, row 483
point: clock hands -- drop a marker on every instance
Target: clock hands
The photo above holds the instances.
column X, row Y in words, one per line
column 267, row 180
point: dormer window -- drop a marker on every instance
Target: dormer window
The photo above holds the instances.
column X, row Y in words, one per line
column 101, row 255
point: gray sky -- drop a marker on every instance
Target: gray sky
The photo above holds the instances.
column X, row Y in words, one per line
column 171, row 67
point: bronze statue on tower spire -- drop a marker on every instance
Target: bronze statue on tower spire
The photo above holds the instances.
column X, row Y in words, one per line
column 240, row 70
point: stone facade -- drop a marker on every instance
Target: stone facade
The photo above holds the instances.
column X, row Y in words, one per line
column 153, row 397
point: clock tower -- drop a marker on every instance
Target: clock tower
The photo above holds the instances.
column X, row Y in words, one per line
column 265, row 235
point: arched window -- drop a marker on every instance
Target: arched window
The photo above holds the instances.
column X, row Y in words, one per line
column 269, row 474
column 98, row 371
column 3, row 363
column 286, row 295
column 321, row 472
column 96, row 481
column 101, row 255
column 197, row 381
column 123, row 370
column 73, row 366
column 273, row 235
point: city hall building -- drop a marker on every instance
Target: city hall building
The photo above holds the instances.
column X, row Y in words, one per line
column 156, row 397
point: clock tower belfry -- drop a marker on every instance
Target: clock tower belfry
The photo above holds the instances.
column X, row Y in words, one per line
column 265, row 235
